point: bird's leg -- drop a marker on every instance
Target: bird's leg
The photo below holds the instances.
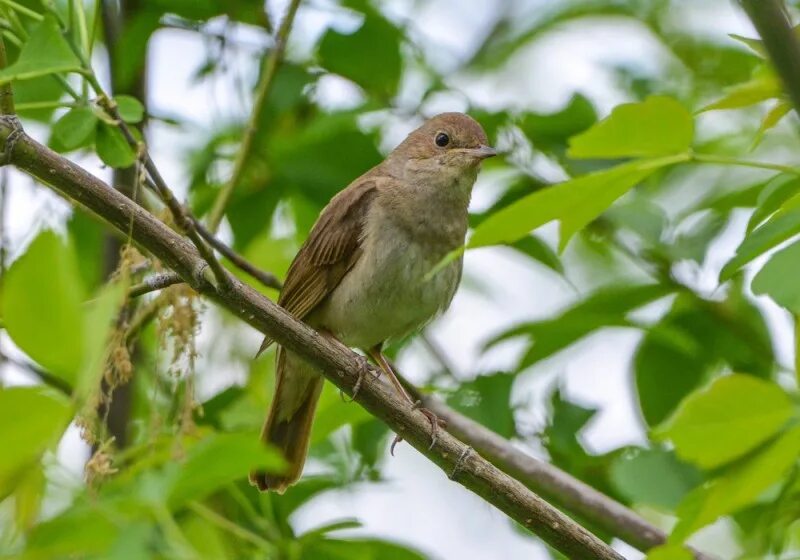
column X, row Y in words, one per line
column 362, row 366
column 378, row 357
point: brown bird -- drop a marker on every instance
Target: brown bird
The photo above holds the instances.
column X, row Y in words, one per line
column 361, row 274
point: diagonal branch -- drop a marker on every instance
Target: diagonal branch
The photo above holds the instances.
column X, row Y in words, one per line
column 567, row 492
column 267, row 279
column 772, row 23
column 269, row 68
column 179, row 212
column 340, row 365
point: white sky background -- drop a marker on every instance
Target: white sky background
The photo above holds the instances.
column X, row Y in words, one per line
column 418, row 505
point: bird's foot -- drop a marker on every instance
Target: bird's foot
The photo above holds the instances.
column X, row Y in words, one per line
column 434, row 420
column 362, row 370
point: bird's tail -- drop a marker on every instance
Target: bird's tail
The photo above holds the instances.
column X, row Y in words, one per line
column 288, row 425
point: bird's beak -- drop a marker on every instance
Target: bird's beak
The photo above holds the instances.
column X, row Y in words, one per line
column 483, row 152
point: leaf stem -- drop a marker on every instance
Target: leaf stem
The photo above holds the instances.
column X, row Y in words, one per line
column 46, row 105
column 23, row 10
column 226, row 524
column 727, row 160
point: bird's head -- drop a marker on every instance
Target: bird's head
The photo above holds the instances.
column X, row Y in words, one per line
column 447, row 142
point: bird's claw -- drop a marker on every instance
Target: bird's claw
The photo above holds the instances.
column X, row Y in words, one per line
column 363, row 369
column 434, row 420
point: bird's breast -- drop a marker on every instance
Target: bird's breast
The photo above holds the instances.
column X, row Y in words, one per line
column 387, row 293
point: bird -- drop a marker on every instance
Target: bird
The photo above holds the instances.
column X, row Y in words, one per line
column 363, row 275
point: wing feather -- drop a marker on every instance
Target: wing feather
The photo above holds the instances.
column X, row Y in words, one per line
column 332, row 247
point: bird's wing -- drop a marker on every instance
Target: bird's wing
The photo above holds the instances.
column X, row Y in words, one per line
column 332, row 248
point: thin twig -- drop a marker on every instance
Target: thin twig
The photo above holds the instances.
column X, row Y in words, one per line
column 269, row 68
column 154, row 283
column 266, row 278
column 42, row 375
column 438, row 354
column 335, row 362
column 178, row 210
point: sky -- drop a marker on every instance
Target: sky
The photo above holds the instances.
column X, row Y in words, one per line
column 418, row 505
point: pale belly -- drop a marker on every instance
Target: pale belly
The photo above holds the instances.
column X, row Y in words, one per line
column 386, row 294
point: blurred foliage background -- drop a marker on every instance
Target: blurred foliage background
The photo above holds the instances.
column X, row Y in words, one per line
column 648, row 347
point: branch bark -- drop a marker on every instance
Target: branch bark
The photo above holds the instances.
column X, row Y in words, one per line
column 338, row 364
column 772, row 23
column 154, row 283
column 552, row 483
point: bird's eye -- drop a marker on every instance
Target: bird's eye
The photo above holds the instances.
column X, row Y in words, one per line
column 442, row 139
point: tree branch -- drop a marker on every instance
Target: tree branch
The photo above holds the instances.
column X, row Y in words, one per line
column 772, row 23
column 338, row 364
column 179, row 213
column 559, row 487
column 269, row 68
column 154, row 283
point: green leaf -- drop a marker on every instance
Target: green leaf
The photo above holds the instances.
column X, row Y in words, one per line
column 664, row 372
column 45, row 52
column 99, row 319
column 756, row 45
column 487, row 400
column 778, row 278
column 782, row 226
column 693, row 243
column 218, row 460
column 31, row 420
column 561, row 436
column 641, row 216
column 76, row 128
column 112, row 147
column 653, row 477
column 669, row 552
column 41, row 301
column 44, row 89
column 87, row 235
column 764, row 87
column 606, row 307
column 331, row 415
column 575, row 202
column 28, row 496
column 370, row 56
column 538, row 250
column 342, row 153
column 694, row 341
column 739, row 487
column 550, row 131
column 730, row 417
column 78, row 532
column 777, row 191
column 130, row 109
column 658, row 126
column 771, row 119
